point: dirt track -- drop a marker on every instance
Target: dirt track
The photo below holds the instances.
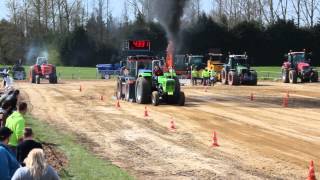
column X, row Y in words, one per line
column 259, row 139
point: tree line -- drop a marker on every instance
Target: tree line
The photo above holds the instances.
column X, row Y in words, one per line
column 68, row 33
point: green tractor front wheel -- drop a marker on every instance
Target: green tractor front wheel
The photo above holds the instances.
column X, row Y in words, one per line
column 182, row 99
column 233, row 78
column 155, row 98
column 254, row 79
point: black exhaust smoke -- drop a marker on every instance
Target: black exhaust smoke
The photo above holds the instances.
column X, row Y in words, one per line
column 169, row 13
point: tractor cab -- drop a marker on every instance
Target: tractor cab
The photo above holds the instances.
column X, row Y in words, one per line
column 295, row 59
column 42, row 61
column 214, row 60
column 195, row 61
column 238, row 60
column 137, row 66
column 215, row 65
column 180, row 64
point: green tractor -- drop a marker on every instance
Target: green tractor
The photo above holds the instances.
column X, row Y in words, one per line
column 143, row 81
column 237, row 71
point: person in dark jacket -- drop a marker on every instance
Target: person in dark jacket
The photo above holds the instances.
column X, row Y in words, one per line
column 4, row 113
column 8, row 162
column 26, row 145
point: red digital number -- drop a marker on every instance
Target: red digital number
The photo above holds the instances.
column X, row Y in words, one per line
column 135, row 45
column 139, row 44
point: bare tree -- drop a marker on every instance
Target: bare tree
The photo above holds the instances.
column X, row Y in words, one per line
column 125, row 16
column 68, row 7
column 53, row 14
column 284, row 8
column 25, row 9
column 37, row 10
column 13, row 6
column 296, row 4
column 100, row 14
column 46, row 13
column 310, row 7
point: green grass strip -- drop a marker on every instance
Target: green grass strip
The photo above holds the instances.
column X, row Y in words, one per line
column 82, row 165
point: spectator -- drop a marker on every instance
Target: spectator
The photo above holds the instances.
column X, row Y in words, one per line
column 4, row 113
column 36, row 168
column 157, row 71
column 8, row 162
column 16, row 123
column 26, row 145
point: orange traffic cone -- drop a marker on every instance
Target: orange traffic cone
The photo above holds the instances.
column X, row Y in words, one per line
column 80, row 89
column 251, row 97
column 311, row 175
column 118, row 104
column 214, row 139
column 146, row 112
column 172, row 125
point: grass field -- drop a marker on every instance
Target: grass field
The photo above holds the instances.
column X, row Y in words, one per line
column 90, row 73
column 82, row 165
column 77, row 72
column 87, row 73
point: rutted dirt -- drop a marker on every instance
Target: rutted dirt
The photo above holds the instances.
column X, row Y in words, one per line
column 258, row 139
column 55, row 158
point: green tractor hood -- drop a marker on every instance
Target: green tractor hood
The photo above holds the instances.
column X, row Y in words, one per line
column 168, row 82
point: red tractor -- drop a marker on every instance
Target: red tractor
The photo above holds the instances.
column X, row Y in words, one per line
column 43, row 70
column 297, row 65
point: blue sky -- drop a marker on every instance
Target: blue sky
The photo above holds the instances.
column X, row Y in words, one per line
column 116, row 7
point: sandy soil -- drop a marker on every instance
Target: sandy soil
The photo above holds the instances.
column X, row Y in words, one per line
column 258, row 139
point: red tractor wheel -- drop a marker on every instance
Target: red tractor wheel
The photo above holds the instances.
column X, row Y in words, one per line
column 32, row 76
column 315, row 76
column 285, row 76
column 293, row 78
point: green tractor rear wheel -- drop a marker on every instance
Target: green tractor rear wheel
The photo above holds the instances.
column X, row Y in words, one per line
column 143, row 91
column 119, row 89
column 127, row 93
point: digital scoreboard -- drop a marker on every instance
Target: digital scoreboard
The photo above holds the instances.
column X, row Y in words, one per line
column 142, row 45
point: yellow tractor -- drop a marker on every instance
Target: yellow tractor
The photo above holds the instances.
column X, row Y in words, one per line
column 215, row 64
